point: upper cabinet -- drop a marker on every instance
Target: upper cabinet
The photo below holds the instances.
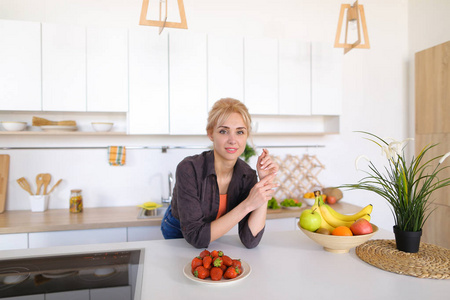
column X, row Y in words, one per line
column 295, row 77
column 63, row 67
column 327, row 79
column 149, row 82
column 261, row 75
column 188, row 83
column 107, row 70
column 20, row 65
column 225, row 68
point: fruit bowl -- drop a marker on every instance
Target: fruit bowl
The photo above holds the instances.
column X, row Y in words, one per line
column 309, row 201
column 338, row 244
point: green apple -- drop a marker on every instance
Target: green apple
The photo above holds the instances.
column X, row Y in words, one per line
column 310, row 220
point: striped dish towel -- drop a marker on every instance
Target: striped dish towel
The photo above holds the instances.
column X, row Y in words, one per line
column 116, row 155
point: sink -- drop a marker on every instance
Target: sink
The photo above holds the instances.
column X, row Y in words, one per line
column 150, row 214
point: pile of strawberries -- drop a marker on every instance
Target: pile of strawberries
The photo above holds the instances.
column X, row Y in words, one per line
column 215, row 265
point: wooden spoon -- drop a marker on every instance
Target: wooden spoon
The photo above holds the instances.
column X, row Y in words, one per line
column 56, row 184
column 25, row 185
column 39, row 182
column 46, row 178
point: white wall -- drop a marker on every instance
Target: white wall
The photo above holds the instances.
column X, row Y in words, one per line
column 375, row 97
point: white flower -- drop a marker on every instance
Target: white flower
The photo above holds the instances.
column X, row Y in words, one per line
column 444, row 157
column 357, row 160
column 395, row 149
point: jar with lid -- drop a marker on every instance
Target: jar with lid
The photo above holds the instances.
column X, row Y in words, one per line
column 76, row 201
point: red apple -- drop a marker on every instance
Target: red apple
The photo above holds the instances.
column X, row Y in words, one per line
column 361, row 226
column 331, row 200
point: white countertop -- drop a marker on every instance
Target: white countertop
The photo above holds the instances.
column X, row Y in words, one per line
column 286, row 265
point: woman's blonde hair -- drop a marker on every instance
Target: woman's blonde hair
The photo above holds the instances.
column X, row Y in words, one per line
column 222, row 109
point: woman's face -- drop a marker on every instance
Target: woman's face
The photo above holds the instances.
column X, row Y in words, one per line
column 229, row 139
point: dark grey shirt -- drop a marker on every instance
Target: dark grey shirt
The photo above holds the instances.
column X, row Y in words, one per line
column 196, row 198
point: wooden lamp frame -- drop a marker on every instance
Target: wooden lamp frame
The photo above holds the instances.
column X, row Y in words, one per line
column 354, row 11
column 162, row 23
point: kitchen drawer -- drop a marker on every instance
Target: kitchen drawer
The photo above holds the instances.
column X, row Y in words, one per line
column 70, row 295
column 13, row 241
column 77, row 237
column 284, row 224
column 114, row 293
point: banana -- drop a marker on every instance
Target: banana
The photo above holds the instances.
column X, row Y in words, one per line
column 324, row 223
column 335, row 222
column 365, row 211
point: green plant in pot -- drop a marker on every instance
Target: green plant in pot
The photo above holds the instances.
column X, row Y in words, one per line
column 407, row 186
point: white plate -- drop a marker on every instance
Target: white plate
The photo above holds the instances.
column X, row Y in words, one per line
column 245, row 272
column 58, row 128
column 292, row 207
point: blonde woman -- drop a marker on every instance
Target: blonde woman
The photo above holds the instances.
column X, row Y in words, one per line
column 215, row 190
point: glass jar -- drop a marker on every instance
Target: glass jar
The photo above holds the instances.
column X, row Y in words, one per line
column 76, row 201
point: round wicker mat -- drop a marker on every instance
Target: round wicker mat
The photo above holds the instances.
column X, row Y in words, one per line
column 430, row 262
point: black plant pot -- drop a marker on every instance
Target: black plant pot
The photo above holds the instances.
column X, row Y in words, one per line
column 407, row 241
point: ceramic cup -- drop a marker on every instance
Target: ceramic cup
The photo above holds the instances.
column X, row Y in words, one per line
column 39, row 203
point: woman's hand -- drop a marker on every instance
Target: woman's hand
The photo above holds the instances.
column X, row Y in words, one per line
column 265, row 165
column 262, row 192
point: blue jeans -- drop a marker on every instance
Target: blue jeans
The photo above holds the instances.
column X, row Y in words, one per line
column 170, row 226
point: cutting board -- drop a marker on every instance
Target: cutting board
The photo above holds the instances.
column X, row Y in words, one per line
column 4, row 173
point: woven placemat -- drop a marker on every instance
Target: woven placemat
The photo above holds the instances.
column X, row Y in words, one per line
column 430, row 262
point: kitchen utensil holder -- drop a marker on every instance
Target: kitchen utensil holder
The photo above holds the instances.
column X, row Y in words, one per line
column 39, row 203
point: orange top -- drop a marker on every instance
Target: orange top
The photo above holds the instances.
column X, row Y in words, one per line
column 222, row 206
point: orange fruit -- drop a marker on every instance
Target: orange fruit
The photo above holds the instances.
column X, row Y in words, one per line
column 342, row 230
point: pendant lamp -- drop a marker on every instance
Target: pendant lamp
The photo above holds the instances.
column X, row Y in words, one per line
column 354, row 17
column 162, row 22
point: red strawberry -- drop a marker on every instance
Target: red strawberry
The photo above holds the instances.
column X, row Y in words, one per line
column 201, row 272
column 216, row 273
column 207, row 262
column 204, row 253
column 227, row 261
column 223, row 267
column 231, row 272
column 237, row 263
column 217, row 262
column 196, row 261
column 215, row 253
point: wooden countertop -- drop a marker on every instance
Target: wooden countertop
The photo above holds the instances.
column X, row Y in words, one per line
column 22, row 221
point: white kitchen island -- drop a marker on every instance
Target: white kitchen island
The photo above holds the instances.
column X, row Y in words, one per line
column 286, row 265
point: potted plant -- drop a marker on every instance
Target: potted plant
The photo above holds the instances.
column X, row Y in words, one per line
column 406, row 186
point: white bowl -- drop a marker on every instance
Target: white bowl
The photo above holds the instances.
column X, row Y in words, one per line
column 309, row 201
column 14, row 126
column 102, row 126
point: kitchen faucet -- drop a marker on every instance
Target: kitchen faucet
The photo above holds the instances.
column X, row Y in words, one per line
column 168, row 199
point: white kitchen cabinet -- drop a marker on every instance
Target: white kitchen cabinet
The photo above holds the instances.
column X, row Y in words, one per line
column 327, row 79
column 107, row 69
column 149, row 82
column 261, row 75
column 294, row 77
column 112, row 293
column 77, row 237
column 20, row 65
column 188, row 83
column 63, row 67
column 144, row 233
column 13, row 241
column 70, row 295
column 225, row 68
